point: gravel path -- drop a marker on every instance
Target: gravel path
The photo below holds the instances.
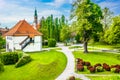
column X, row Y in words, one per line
column 70, row 67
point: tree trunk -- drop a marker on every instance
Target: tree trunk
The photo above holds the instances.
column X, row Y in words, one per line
column 85, row 42
column 85, row 47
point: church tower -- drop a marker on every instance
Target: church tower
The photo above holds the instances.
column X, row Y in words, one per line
column 35, row 19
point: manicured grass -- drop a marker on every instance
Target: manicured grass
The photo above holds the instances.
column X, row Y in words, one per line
column 104, row 77
column 99, row 45
column 98, row 57
column 46, row 65
column 56, row 49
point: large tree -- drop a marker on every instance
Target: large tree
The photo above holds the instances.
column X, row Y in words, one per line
column 88, row 16
column 112, row 35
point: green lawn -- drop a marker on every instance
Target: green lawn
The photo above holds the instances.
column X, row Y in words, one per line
column 46, row 65
column 99, row 57
column 99, row 45
column 104, row 77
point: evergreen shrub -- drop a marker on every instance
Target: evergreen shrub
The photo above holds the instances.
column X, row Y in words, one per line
column 51, row 42
column 9, row 58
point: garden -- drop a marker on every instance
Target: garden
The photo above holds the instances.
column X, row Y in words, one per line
column 44, row 65
column 97, row 65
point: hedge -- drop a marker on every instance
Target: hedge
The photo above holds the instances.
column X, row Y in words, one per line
column 23, row 60
column 51, row 42
column 9, row 58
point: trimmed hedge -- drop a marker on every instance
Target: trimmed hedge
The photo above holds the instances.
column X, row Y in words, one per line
column 1, row 67
column 23, row 60
column 51, row 42
column 9, row 58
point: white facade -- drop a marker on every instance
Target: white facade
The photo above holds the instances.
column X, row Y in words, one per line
column 15, row 43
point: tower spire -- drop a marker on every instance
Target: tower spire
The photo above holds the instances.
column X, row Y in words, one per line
column 35, row 19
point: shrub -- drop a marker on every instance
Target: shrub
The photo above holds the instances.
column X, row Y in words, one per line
column 117, row 70
column 72, row 78
column 87, row 63
column 98, row 64
column 107, row 68
column 113, row 70
column 78, row 59
column 9, row 58
column 92, row 69
column 88, row 67
column 51, row 42
column 81, row 62
column 80, row 68
column 1, row 67
column 23, row 60
column 99, row 69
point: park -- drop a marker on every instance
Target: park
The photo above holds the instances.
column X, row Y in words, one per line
column 51, row 48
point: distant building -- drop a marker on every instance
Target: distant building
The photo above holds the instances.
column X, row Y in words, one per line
column 24, row 36
column 3, row 31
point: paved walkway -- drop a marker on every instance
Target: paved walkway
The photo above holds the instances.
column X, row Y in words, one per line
column 70, row 67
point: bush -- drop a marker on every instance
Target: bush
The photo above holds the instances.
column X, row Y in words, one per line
column 92, row 69
column 117, row 70
column 9, row 58
column 99, row 69
column 80, row 67
column 1, row 67
column 113, row 70
column 98, row 64
column 23, row 60
column 87, row 63
column 72, row 78
column 88, row 67
column 51, row 42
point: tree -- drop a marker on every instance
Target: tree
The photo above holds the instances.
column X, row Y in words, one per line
column 65, row 34
column 112, row 35
column 2, row 42
column 51, row 27
column 88, row 16
column 107, row 15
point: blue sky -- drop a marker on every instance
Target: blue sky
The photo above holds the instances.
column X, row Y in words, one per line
column 11, row 11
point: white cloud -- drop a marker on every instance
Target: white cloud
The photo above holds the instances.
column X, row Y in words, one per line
column 11, row 11
column 56, row 3
column 111, row 5
column 47, row 13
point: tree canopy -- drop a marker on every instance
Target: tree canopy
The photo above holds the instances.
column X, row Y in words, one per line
column 112, row 35
column 88, row 16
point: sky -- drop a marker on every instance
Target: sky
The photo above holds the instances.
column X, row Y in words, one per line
column 12, row 11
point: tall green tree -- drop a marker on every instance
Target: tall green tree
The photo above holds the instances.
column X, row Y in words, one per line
column 51, row 27
column 112, row 35
column 88, row 16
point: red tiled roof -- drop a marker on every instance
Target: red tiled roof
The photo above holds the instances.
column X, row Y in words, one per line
column 22, row 28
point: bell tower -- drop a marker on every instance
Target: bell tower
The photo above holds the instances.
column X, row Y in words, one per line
column 35, row 19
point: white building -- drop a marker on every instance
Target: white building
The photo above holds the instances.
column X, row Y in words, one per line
column 23, row 37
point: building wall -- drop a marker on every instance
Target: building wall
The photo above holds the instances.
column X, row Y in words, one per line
column 36, row 46
column 14, row 43
column 9, row 43
column 17, row 40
